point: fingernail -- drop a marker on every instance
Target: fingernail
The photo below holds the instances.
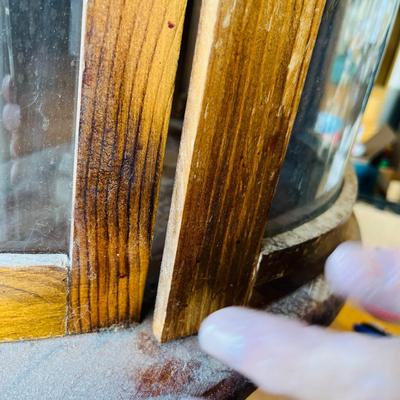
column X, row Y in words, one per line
column 221, row 335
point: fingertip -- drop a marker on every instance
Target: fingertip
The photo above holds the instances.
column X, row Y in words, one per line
column 343, row 267
column 370, row 276
column 221, row 334
column 234, row 334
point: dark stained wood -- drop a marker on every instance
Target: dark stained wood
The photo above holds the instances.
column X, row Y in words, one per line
column 283, row 271
column 131, row 52
column 292, row 258
column 249, row 69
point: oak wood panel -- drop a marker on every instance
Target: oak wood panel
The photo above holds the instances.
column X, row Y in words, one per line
column 131, row 52
column 33, row 302
column 249, row 69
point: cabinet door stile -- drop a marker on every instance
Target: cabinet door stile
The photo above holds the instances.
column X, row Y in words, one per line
column 131, row 54
column 250, row 65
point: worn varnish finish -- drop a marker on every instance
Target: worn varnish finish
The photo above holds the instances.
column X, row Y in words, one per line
column 32, row 302
column 131, row 51
column 292, row 258
column 249, row 69
column 283, row 271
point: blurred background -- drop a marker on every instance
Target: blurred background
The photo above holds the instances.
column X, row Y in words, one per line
column 376, row 160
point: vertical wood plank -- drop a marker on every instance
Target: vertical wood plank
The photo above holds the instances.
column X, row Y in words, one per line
column 131, row 52
column 249, row 70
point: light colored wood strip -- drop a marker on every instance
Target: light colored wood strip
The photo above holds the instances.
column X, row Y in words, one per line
column 131, row 53
column 32, row 301
column 249, row 70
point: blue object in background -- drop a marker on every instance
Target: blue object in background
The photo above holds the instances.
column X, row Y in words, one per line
column 369, row 329
column 328, row 123
column 337, row 68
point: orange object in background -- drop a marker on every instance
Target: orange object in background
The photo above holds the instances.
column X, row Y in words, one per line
column 352, row 314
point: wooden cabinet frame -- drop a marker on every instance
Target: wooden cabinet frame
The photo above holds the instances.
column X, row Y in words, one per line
column 259, row 51
column 248, row 74
column 129, row 60
column 249, row 69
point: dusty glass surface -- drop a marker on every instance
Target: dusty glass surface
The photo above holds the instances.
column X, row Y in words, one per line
column 40, row 43
column 346, row 58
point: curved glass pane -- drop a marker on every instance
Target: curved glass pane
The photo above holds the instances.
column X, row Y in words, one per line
column 349, row 47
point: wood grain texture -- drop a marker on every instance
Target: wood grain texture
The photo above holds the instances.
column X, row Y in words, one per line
column 33, row 302
column 131, row 52
column 292, row 258
column 250, row 65
column 283, row 271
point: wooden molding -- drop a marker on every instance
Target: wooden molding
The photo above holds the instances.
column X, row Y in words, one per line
column 250, row 65
column 33, row 294
column 130, row 56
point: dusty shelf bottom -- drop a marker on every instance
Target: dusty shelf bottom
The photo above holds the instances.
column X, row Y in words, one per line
column 131, row 364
